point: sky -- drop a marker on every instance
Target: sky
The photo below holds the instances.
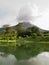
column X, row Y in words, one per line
column 10, row 11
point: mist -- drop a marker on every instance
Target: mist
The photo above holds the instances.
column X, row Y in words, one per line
column 28, row 13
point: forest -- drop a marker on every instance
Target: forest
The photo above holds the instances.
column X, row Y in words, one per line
column 22, row 34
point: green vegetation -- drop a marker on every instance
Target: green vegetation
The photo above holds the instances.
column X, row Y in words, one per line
column 20, row 35
column 23, row 42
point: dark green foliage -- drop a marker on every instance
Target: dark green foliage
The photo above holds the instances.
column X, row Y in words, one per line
column 29, row 41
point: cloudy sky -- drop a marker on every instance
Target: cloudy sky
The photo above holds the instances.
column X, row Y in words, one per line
column 9, row 10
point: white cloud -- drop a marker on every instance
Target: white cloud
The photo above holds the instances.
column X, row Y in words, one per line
column 43, row 21
column 28, row 12
column 9, row 10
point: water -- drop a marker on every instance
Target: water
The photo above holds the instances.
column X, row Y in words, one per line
column 9, row 59
column 11, row 55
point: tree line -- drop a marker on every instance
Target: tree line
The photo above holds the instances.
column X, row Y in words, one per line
column 17, row 31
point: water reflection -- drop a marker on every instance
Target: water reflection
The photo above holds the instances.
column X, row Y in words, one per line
column 9, row 59
column 40, row 59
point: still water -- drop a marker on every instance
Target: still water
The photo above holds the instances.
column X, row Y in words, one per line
column 10, row 59
column 24, row 56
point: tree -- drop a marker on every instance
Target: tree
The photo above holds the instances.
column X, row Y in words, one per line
column 7, row 27
column 9, row 33
column 20, row 30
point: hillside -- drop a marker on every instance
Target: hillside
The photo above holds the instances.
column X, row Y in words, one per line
column 24, row 25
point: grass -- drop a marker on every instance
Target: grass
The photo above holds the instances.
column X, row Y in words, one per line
column 7, row 40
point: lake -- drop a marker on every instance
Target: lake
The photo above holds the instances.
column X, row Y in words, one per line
column 36, row 54
column 9, row 59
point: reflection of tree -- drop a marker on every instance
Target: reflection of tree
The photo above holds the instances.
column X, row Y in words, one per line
column 6, row 50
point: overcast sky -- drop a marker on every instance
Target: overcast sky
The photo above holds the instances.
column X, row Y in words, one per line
column 9, row 10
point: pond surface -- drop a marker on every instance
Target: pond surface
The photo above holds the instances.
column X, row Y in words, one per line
column 9, row 59
column 20, row 55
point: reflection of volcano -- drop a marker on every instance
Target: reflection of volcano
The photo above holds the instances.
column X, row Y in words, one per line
column 40, row 59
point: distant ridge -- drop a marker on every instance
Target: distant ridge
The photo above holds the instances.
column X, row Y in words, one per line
column 25, row 25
